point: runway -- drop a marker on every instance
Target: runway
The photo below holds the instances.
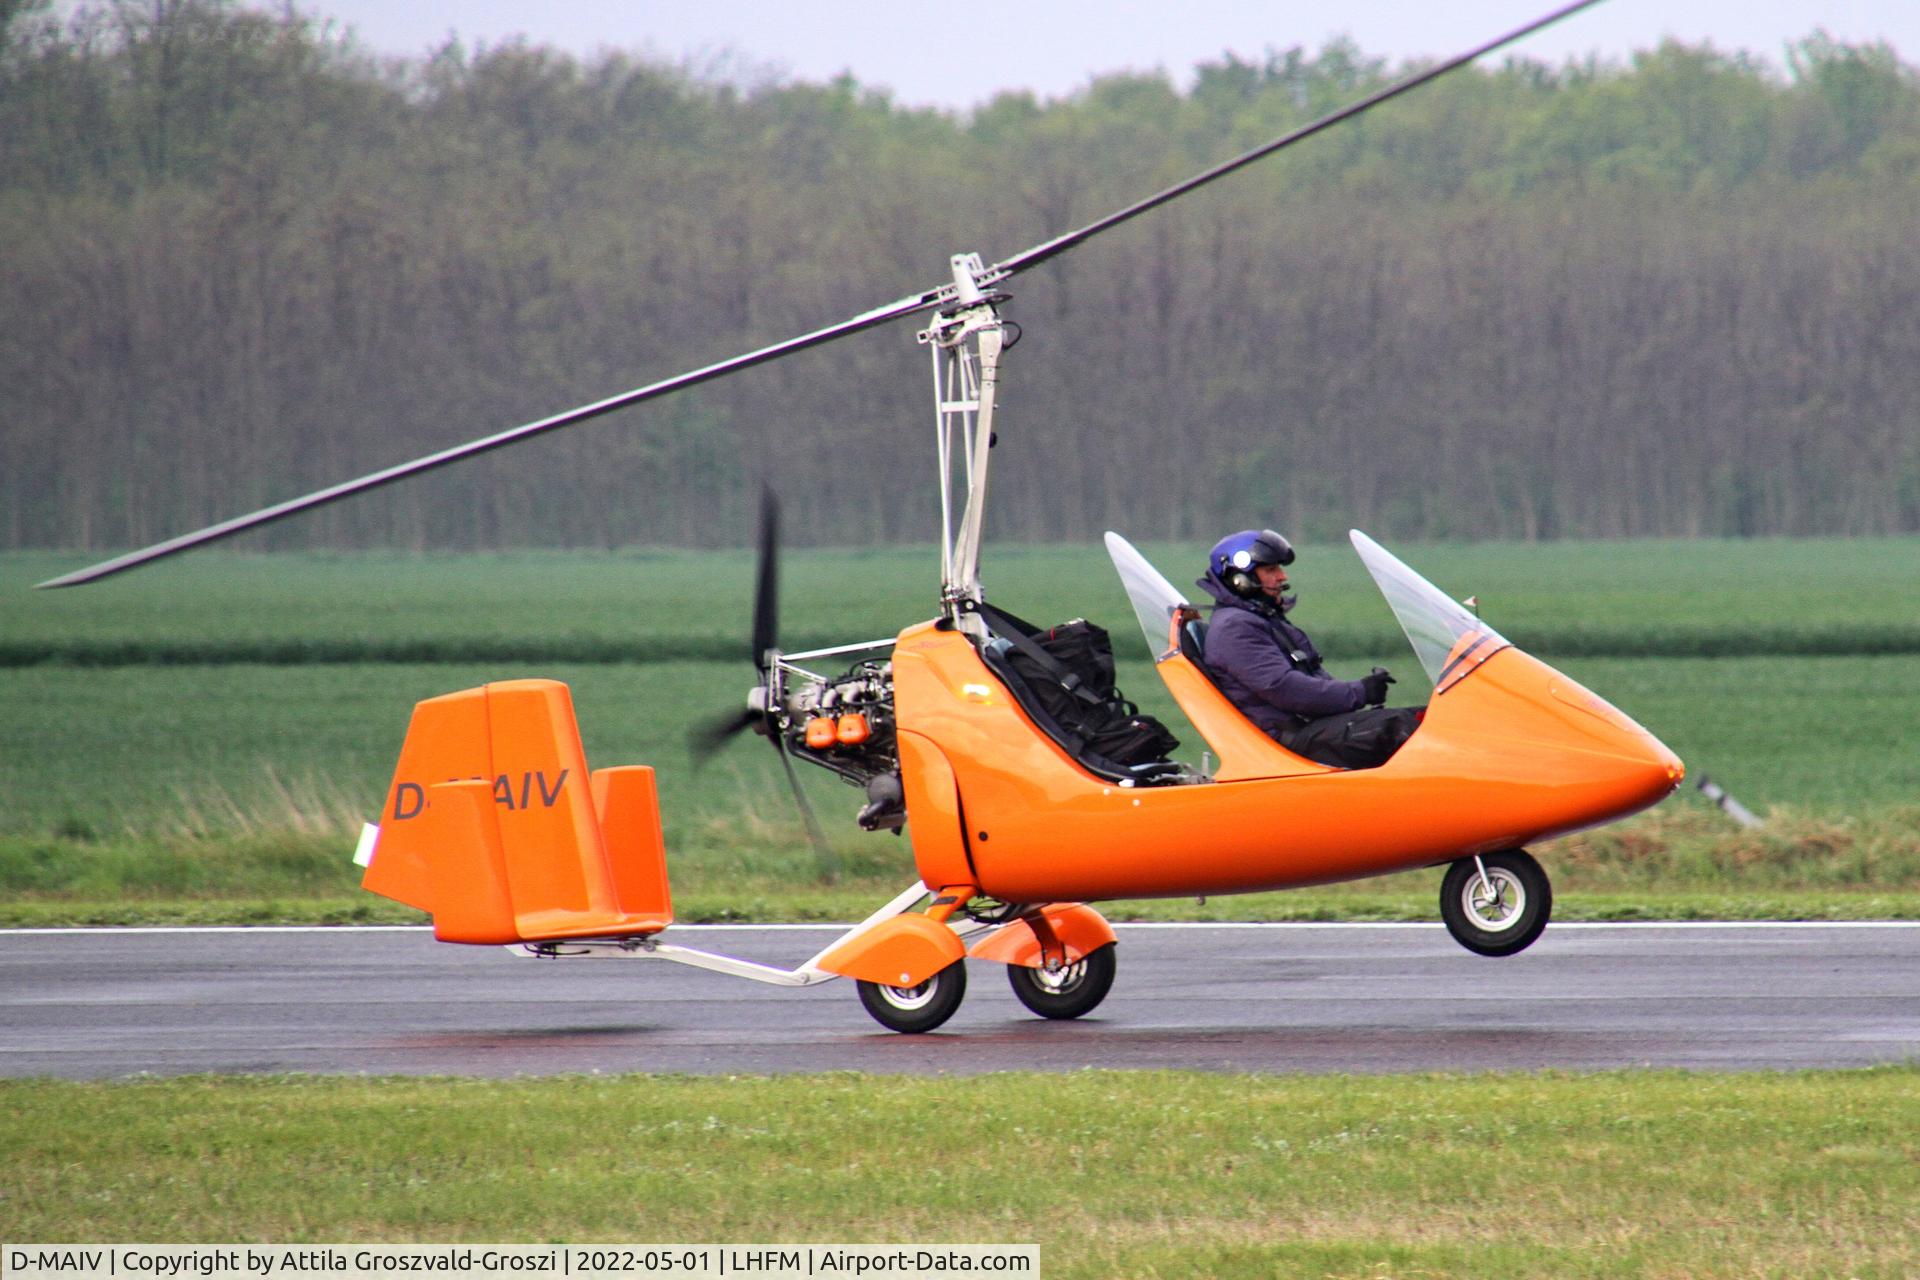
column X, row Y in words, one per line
column 1255, row 998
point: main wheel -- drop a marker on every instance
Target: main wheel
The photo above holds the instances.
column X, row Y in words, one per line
column 912, row 1010
column 1501, row 913
column 1077, row 989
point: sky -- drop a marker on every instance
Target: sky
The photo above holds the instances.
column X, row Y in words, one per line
column 956, row 56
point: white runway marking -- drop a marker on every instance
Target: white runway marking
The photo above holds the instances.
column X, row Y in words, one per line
column 1294, row 925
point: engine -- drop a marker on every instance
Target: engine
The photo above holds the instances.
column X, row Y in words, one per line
column 846, row 724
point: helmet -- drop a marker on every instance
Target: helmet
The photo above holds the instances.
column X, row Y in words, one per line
column 1234, row 558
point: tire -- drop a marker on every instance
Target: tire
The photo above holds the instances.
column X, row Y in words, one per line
column 1509, row 922
column 913, row 1010
column 1077, row 989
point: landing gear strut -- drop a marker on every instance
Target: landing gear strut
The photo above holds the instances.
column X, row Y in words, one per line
column 1073, row 990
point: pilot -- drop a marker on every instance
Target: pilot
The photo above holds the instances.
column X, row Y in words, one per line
column 1269, row 669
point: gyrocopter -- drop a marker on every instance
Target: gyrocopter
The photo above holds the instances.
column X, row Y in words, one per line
column 496, row 827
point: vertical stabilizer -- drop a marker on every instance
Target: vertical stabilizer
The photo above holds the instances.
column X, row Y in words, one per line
column 494, row 825
column 447, row 741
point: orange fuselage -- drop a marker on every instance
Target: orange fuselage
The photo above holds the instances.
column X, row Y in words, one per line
column 1511, row 753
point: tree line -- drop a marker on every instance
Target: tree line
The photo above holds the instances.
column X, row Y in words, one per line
column 242, row 258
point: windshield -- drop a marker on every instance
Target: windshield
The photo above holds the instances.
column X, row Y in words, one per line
column 1153, row 597
column 1433, row 622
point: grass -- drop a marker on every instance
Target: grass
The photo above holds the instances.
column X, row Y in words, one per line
column 166, row 787
column 766, row 902
column 1641, row 598
column 1112, row 1174
column 1683, row 864
column 198, row 750
column 195, row 794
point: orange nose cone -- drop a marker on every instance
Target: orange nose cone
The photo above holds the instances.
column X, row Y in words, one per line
column 1665, row 771
column 1566, row 758
column 1651, row 770
column 821, row 733
column 852, row 730
column 1676, row 767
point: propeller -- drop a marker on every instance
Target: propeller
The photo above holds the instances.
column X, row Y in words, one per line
column 762, row 710
column 766, row 583
column 714, row 733
column 825, row 859
column 706, row 738
column 944, row 295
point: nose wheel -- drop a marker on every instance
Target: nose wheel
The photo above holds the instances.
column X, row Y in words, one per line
column 1496, row 904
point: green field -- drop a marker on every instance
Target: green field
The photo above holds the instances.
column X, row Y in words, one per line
column 132, row 785
column 206, row 748
column 1151, row 1174
column 1708, row 597
column 186, row 770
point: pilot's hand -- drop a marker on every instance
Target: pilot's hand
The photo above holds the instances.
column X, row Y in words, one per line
column 1374, row 687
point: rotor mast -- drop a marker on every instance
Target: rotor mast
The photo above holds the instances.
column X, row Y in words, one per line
column 966, row 340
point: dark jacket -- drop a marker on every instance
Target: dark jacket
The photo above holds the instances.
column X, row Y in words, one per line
column 1268, row 667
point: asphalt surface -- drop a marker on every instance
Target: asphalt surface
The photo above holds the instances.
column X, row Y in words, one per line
column 1263, row 998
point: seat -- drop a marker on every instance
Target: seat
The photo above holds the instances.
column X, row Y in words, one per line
column 1193, row 645
column 1152, row 773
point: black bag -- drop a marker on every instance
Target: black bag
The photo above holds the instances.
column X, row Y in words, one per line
column 1069, row 669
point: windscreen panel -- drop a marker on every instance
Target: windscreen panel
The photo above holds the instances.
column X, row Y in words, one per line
column 1154, row 599
column 1435, row 624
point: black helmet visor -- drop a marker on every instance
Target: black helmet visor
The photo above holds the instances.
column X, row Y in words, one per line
column 1271, row 548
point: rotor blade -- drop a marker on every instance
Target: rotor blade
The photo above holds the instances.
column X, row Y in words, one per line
column 266, row 515
column 1060, row 244
column 766, row 587
column 825, row 858
column 704, row 740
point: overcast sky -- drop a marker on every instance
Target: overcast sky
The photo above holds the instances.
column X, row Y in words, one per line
column 957, row 55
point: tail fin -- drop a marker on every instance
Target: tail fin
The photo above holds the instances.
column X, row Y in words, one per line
column 494, row 826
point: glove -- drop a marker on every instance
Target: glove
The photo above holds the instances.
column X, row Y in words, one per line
column 1373, row 687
